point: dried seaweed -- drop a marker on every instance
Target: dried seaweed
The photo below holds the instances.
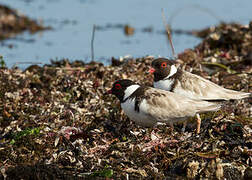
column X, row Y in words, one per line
column 12, row 23
column 65, row 125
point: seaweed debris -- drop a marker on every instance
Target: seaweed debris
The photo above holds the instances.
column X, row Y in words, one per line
column 12, row 23
column 57, row 121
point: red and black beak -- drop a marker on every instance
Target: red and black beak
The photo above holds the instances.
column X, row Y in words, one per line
column 152, row 70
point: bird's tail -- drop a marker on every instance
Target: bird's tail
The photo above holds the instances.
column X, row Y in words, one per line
column 232, row 95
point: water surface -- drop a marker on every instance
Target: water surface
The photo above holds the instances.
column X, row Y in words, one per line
column 72, row 22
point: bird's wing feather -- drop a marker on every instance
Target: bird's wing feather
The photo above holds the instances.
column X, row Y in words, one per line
column 165, row 106
column 194, row 86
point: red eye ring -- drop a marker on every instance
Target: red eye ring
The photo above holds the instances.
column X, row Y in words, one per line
column 164, row 64
column 118, row 86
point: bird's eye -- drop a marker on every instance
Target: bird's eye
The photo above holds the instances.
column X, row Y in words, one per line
column 118, row 86
column 163, row 65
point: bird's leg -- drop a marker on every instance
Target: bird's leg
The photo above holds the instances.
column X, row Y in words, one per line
column 172, row 127
column 198, row 123
column 184, row 126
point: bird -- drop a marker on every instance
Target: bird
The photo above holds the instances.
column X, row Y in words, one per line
column 170, row 78
column 148, row 106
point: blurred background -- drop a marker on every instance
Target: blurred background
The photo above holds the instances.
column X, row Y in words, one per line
column 123, row 28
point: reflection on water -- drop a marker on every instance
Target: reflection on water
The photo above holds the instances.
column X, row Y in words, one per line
column 73, row 22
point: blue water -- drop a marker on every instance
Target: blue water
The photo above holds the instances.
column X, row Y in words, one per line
column 72, row 22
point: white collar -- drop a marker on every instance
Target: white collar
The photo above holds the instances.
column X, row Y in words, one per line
column 172, row 72
column 129, row 90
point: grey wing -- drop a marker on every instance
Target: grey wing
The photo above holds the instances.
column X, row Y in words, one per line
column 196, row 87
column 167, row 106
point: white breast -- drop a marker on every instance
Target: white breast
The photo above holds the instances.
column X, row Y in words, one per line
column 164, row 84
column 140, row 117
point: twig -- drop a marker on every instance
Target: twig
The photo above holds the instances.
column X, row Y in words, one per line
column 220, row 66
column 92, row 43
column 67, row 68
column 195, row 7
column 168, row 33
column 27, row 62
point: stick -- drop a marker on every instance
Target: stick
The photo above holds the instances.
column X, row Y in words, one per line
column 29, row 62
column 92, row 43
column 67, row 68
column 168, row 33
column 194, row 7
column 26, row 62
